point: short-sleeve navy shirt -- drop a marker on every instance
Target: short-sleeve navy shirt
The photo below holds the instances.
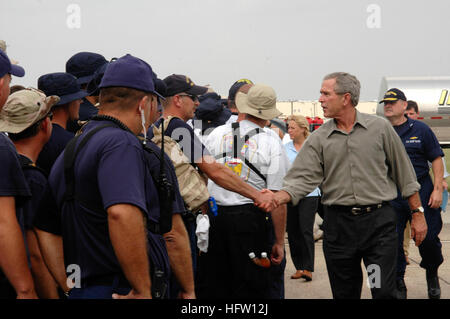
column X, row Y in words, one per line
column 421, row 145
column 55, row 145
column 12, row 179
column 109, row 170
column 41, row 200
column 181, row 132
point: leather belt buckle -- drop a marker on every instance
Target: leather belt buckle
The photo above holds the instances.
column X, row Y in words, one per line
column 366, row 209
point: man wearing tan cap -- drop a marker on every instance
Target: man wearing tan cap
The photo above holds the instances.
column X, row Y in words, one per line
column 242, row 240
column 180, row 103
column 26, row 118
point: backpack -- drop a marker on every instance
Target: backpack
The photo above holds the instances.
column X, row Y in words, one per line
column 192, row 185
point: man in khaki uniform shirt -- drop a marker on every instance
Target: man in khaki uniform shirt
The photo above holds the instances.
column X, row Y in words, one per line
column 358, row 160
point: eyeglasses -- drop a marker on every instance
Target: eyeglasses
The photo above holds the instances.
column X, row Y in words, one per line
column 194, row 98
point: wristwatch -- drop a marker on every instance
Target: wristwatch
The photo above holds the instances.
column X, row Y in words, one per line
column 417, row 210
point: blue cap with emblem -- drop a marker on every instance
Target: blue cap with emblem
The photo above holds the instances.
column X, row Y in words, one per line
column 393, row 95
column 177, row 83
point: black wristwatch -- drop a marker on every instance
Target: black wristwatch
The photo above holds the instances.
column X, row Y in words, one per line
column 417, row 210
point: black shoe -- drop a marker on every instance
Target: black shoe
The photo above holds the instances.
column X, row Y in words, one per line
column 434, row 289
column 401, row 289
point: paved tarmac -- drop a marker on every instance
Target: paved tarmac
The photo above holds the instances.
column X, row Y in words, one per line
column 319, row 287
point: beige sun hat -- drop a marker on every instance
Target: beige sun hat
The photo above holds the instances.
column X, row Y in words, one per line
column 260, row 101
column 3, row 45
column 24, row 108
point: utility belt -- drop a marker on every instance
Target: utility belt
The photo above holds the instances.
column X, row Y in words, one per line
column 357, row 209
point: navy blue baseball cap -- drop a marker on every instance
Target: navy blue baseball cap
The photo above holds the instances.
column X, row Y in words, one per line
column 7, row 67
column 177, row 83
column 131, row 72
column 393, row 95
column 236, row 86
column 84, row 64
column 62, row 84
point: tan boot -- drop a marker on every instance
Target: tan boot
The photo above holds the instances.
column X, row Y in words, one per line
column 297, row 275
column 307, row 275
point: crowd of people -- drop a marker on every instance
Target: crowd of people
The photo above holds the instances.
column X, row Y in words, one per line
column 118, row 184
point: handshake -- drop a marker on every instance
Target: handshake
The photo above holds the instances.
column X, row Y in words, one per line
column 268, row 200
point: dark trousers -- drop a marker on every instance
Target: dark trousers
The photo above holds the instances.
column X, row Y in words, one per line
column 370, row 237
column 101, row 288
column 431, row 248
column 300, row 229
column 276, row 280
column 7, row 291
column 276, row 275
column 235, row 232
column 201, row 275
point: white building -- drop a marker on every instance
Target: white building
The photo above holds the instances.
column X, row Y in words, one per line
column 313, row 108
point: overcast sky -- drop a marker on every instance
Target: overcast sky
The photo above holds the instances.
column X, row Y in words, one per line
column 287, row 44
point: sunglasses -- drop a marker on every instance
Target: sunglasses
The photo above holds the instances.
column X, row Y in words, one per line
column 194, row 98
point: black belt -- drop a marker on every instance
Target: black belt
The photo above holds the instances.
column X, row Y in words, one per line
column 358, row 209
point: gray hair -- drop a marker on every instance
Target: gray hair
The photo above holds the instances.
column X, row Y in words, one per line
column 346, row 83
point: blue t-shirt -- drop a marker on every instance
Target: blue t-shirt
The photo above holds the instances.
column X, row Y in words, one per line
column 12, row 180
column 291, row 153
column 181, row 132
column 41, row 200
column 421, row 145
column 55, row 145
column 110, row 169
